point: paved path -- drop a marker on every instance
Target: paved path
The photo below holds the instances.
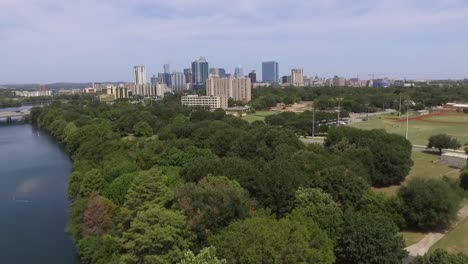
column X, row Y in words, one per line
column 423, row 246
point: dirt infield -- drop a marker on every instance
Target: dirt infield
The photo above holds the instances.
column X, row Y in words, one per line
column 427, row 118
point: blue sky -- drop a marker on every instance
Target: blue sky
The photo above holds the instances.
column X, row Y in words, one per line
column 44, row 41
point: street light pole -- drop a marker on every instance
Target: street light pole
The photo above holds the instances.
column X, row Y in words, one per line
column 407, row 118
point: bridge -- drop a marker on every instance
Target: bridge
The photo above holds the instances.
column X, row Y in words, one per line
column 10, row 115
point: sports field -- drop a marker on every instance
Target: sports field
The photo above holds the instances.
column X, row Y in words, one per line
column 421, row 127
column 259, row 115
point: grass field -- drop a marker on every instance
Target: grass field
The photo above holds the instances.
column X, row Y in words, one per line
column 419, row 131
column 425, row 165
column 259, row 115
column 456, row 240
column 412, row 237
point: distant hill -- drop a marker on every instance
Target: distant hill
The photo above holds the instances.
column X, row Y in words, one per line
column 53, row 86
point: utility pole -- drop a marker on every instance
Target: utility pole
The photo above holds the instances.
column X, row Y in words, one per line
column 399, row 111
column 339, row 110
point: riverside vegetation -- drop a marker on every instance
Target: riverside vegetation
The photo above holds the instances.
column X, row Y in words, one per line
column 171, row 184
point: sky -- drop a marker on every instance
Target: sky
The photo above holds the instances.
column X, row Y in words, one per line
column 44, row 41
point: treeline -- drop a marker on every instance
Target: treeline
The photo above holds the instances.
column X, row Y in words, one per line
column 360, row 99
column 171, row 184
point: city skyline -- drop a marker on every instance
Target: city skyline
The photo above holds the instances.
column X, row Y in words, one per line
column 67, row 41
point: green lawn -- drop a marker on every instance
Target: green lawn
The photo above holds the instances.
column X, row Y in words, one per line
column 456, row 240
column 412, row 237
column 419, row 131
column 425, row 165
column 259, row 115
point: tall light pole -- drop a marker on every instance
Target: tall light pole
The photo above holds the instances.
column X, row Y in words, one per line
column 339, row 110
column 407, row 118
column 313, row 121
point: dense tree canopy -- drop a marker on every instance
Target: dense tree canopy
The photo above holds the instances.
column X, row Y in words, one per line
column 254, row 191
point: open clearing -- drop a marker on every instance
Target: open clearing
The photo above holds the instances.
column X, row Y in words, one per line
column 420, row 127
column 456, row 241
column 258, row 116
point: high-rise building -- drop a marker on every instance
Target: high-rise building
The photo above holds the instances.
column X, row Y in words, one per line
column 284, row 79
column 222, row 72
column 200, row 71
column 41, row 88
column 140, row 74
column 253, row 77
column 297, row 77
column 238, row 72
column 237, row 88
column 178, row 82
column 188, row 75
column 338, row 81
column 167, row 68
column 154, row 79
column 270, row 72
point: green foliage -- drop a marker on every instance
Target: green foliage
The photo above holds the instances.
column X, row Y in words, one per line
column 441, row 257
column 117, row 190
column 157, row 235
column 320, row 208
column 443, row 141
column 98, row 250
column 379, row 203
column 93, row 181
column 148, row 187
column 368, row 238
column 74, row 227
column 390, row 164
column 98, row 216
column 206, row 256
column 464, row 179
column 263, row 239
column 430, row 203
column 212, row 204
column 142, row 129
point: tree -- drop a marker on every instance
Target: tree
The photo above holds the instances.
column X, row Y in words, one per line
column 368, row 239
column 443, row 141
column 98, row 216
column 206, row 256
column 157, row 235
column 98, row 250
column 429, row 203
column 440, row 256
column 263, row 239
column 93, row 181
column 464, row 179
column 142, row 129
column 212, row 204
column 148, row 186
column 117, row 190
column 320, row 208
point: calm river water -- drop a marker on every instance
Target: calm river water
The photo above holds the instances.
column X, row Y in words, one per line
column 33, row 198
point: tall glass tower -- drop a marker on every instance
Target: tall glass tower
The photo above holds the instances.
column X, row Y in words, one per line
column 270, row 72
column 200, row 71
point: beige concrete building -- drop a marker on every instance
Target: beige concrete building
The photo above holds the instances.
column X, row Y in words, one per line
column 297, row 77
column 214, row 102
column 239, row 89
column 112, row 91
column 148, row 90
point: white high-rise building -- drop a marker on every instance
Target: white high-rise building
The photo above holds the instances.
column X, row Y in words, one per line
column 297, row 77
column 237, row 88
column 178, row 82
column 140, row 75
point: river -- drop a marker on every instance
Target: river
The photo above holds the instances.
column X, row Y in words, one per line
column 33, row 199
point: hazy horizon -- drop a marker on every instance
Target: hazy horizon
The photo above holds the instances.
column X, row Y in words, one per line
column 47, row 41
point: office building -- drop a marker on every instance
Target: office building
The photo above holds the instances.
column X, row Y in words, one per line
column 297, row 77
column 238, row 72
column 154, row 79
column 270, row 72
column 140, row 74
column 178, row 82
column 167, row 68
column 253, row 77
column 238, row 89
column 217, row 72
column 222, row 72
column 284, row 79
column 338, row 81
column 213, row 102
column 188, row 75
column 200, row 71
column 149, row 90
column 113, row 92
column 41, row 88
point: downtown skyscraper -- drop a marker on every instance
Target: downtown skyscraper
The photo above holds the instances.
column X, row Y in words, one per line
column 270, row 72
column 140, row 74
column 200, row 71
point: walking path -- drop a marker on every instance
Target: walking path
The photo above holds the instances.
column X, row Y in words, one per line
column 423, row 246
